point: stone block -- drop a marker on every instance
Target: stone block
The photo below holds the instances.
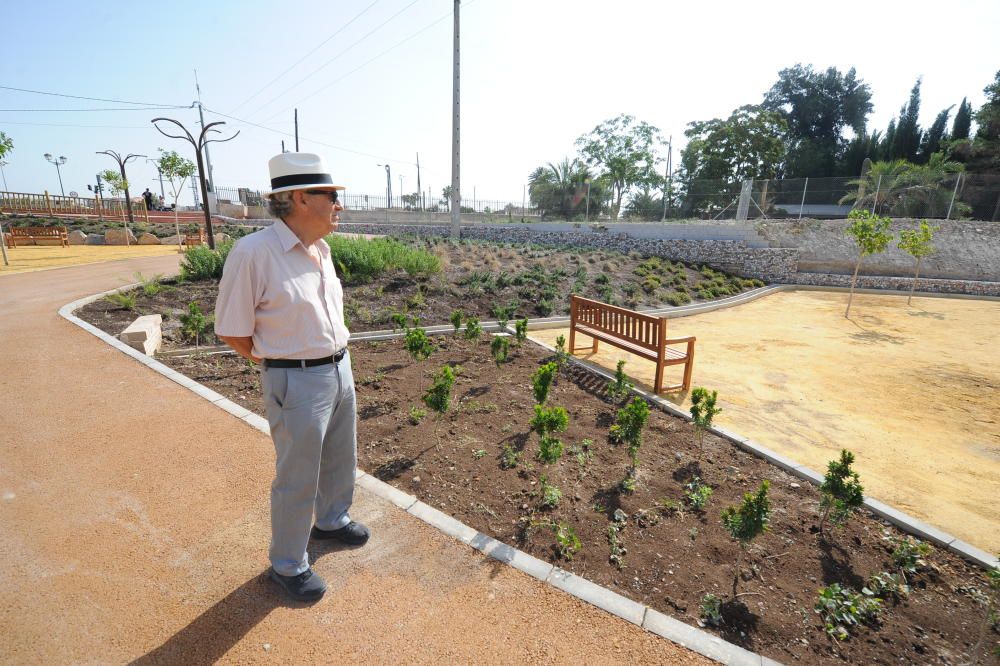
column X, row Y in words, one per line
column 148, row 239
column 117, row 237
column 77, row 237
column 144, row 334
column 95, row 239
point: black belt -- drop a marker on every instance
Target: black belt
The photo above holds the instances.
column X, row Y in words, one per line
column 304, row 362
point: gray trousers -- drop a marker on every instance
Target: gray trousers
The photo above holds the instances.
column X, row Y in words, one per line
column 313, row 417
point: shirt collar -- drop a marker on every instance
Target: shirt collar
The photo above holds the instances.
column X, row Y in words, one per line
column 286, row 236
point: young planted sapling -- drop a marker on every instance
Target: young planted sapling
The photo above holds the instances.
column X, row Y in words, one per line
column 747, row 521
column 194, row 323
column 620, row 387
column 520, row 331
column 398, row 321
column 842, row 492
column 499, row 349
column 918, row 243
column 456, row 320
column 703, row 411
column 562, row 358
column 541, row 381
column 419, row 346
column 549, row 420
column 473, row 330
column 871, row 234
column 627, row 430
column 438, row 396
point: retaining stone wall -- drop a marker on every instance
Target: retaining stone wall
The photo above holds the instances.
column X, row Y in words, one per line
column 936, row 286
column 736, row 257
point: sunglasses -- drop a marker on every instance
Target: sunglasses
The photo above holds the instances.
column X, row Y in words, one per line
column 331, row 194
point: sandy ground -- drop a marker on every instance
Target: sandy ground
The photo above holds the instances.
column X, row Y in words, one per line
column 42, row 257
column 911, row 390
column 134, row 525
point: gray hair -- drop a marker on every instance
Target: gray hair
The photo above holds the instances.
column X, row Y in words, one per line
column 280, row 204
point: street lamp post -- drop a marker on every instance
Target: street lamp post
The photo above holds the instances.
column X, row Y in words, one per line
column 2, row 165
column 159, row 174
column 121, row 168
column 199, row 145
column 57, row 161
column 388, row 186
column 587, row 218
column 401, row 191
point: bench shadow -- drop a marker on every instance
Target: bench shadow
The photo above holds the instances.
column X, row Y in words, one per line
column 208, row 637
column 925, row 313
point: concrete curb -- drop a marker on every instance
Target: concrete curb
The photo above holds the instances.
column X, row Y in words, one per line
column 648, row 618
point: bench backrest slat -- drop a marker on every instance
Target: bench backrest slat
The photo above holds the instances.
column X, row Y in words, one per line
column 639, row 329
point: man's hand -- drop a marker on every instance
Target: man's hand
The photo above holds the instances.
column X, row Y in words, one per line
column 242, row 346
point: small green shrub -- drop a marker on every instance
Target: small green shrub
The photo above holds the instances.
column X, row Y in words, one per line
column 842, row 492
column 203, row 263
column 567, row 543
column 550, row 449
column 747, row 521
column 398, row 321
column 417, row 414
column 697, row 493
column 473, row 330
column 678, row 298
column 620, row 388
column 509, row 457
column 548, row 420
column 562, row 357
column 418, row 345
column 521, row 330
column 544, row 307
column 456, row 319
column 710, row 610
column 438, row 396
column 550, row 494
column 908, row 553
column 884, row 584
column 541, row 381
column 499, row 349
column 150, row 286
column 703, row 411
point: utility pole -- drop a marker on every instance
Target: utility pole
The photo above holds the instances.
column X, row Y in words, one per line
column 456, row 197
column 296, row 130
column 419, row 189
column 283, row 145
column 208, row 159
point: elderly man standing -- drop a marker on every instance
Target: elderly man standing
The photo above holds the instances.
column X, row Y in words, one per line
column 281, row 304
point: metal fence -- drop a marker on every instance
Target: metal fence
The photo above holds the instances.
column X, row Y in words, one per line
column 955, row 196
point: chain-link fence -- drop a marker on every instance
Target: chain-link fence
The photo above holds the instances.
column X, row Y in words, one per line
column 918, row 194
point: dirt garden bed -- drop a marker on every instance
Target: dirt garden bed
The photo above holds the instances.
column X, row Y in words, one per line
column 479, row 463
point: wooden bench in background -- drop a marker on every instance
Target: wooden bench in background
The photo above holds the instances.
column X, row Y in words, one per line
column 35, row 234
column 190, row 240
column 640, row 334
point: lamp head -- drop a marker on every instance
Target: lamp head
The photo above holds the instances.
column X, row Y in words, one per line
column 48, row 156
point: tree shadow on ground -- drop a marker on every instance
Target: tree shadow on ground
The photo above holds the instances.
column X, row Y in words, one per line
column 687, row 472
column 924, row 313
column 876, row 337
column 208, row 637
column 739, row 623
column 837, row 566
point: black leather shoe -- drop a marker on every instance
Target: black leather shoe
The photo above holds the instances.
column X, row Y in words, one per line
column 354, row 534
column 307, row 586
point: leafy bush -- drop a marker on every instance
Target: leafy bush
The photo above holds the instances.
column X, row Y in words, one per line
column 194, row 324
column 360, row 260
column 456, row 319
column 678, row 298
column 203, row 263
column 398, row 321
column 842, row 492
column 472, row 329
column 550, row 494
column 883, row 584
column 438, row 396
column 562, row 357
column 697, row 493
column 908, row 553
column 842, row 608
column 521, row 330
column 548, row 420
column 544, row 307
column 150, row 286
column 541, row 381
column 567, row 543
column 417, row 344
column 509, row 457
column 416, row 414
column 499, row 349
column 629, row 423
column 550, row 449
column 703, row 411
column 502, row 313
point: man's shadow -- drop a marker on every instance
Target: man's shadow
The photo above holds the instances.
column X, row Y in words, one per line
column 213, row 633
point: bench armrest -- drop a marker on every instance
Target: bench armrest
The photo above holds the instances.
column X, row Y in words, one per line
column 677, row 341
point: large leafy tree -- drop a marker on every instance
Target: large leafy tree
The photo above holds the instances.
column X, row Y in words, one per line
column 560, row 189
column 6, row 145
column 981, row 154
column 176, row 170
column 818, row 107
column 746, row 145
column 623, row 151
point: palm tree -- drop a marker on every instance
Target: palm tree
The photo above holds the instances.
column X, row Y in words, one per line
column 560, row 189
column 880, row 188
column 927, row 189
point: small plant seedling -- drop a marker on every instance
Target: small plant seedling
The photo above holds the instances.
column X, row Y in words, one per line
column 703, row 411
column 194, row 324
column 150, row 286
column 550, row 449
column 562, row 358
column 618, row 550
column 747, row 521
column 418, row 344
column 697, row 493
column 520, row 331
column 456, row 320
column 499, row 350
column 473, row 330
column 509, row 457
column 417, row 414
column 628, row 484
column 124, row 300
column 550, row 494
column 883, row 584
column 842, row 492
column 548, row 420
column 620, row 387
column 710, row 610
column 908, row 554
column 502, row 313
column 842, row 608
column 627, row 430
column 567, row 543
column 478, row 454
column 541, row 381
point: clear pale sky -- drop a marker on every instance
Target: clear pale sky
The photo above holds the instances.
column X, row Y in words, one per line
column 535, row 76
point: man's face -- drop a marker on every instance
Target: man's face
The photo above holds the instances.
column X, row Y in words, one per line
column 320, row 207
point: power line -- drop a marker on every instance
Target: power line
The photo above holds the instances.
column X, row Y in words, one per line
column 322, row 143
column 365, row 64
column 328, row 62
column 10, row 122
column 92, row 99
column 144, row 108
column 299, row 61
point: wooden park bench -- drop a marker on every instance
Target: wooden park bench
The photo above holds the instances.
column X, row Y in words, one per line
column 35, row 234
column 640, row 334
column 190, row 240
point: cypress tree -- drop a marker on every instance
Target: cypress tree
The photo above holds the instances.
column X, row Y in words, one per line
column 963, row 121
column 934, row 136
column 906, row 141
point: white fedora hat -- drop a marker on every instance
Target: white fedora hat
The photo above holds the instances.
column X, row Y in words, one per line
column 299, row 171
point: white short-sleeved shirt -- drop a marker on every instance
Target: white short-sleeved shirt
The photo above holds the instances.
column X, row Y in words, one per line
column 274, row 291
